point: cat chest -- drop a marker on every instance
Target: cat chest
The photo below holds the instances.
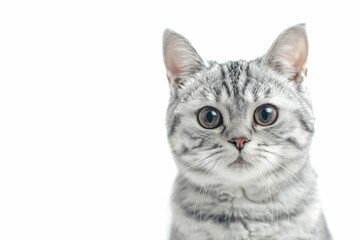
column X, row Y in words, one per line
column 220, row 219
column 239, row 230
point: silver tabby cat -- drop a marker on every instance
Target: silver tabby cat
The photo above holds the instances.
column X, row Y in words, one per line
column 240, row 133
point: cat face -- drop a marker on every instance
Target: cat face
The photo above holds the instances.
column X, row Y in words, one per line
column 238, row 121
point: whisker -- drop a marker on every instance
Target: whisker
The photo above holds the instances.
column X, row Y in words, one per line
column 207, row 192
column 192, row 190
column 284, row 168
column 201, row 187
column 197, row 164
column 204, row 185
column 271, row 199
column 301, row 198
column 190, row 178
column 275, row 144
column 281, row 192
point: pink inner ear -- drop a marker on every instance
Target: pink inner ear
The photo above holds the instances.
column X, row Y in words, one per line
column 172, row 68
column 300, row 63
column 298, row 56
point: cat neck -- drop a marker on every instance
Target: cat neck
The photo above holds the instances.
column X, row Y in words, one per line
column 281, row 182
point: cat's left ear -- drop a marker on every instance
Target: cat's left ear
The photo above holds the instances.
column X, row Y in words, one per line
column 180, row 57
column 288, row 54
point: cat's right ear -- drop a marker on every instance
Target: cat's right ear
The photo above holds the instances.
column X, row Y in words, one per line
column 180, row 57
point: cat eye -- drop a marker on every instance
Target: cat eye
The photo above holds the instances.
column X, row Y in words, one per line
column 209, row 117
column 266, row 114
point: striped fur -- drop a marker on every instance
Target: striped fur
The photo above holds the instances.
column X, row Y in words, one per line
column 272, row 195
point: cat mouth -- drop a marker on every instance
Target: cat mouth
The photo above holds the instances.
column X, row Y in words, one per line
column 239, row 163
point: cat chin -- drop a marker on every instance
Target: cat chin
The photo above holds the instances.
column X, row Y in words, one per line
column 239, row 163
column 237, row 180
column 239, row 172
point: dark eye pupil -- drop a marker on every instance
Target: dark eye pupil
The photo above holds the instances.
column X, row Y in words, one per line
column 210, row 116
column 266, row 114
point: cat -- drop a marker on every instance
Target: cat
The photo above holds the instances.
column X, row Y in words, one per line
column 240, row 134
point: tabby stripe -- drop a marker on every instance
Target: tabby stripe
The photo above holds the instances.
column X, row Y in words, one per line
column 224, row 84
column 231, row 218
column 235, row 88
column 223, row 75
column 306, row 126
column 199, row 145
column 184, row 149
column 245, row 85
column 247, row 80
column 267, row 93
column 217, row 94
column 294, row 142
column 223, row 80
column 192, row 137
column 175, row 123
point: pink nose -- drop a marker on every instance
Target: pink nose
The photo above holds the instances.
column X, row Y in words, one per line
column 239, row 142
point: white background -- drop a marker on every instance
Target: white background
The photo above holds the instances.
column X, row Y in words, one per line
column 83, row 94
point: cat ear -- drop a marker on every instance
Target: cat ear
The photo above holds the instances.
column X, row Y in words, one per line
column 288, row 54
column 180, row 57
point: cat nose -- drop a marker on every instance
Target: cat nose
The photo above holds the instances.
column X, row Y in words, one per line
column 239, row 142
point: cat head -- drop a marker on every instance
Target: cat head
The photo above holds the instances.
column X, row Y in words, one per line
column 239, row 120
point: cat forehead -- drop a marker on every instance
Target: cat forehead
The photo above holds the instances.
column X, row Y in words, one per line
column 238, row 79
